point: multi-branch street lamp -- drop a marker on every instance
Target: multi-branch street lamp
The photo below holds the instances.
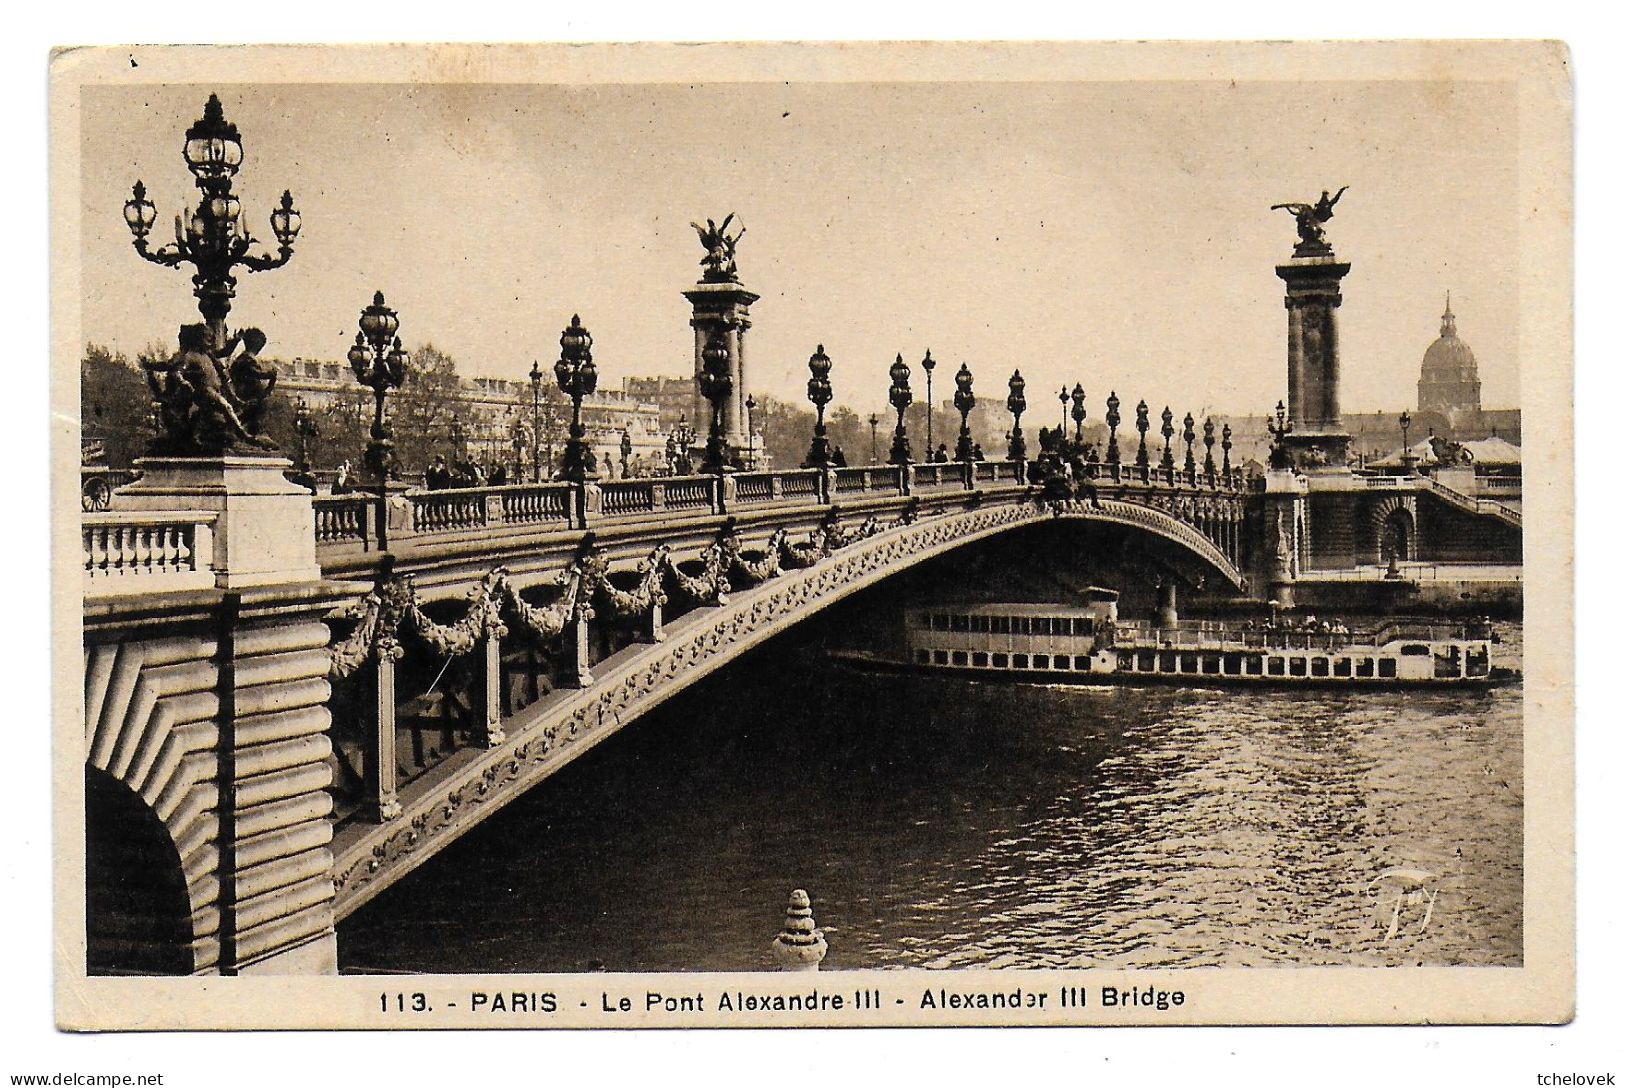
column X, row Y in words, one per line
column 1142, row 423
column 1279, row 429
column 1113, row 418
column 1188, row 436
column 929, row 364
column 678, row 446
column 964, row 401
column 901, row 397
column 379, row 363
column 213, row 238
column 820, row 392
column 1079, row 413
column 1167, row 461
column 716, row 384
column 1208, row 466
column 1017, row 403
column 1225, row 446
column 577, row 378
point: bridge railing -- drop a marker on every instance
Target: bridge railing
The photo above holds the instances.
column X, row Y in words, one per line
column 346, row 519
column 146, row 552
column 940, row 476
column 860, row 479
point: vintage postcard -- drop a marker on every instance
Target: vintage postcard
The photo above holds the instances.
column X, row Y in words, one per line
column 812, row 535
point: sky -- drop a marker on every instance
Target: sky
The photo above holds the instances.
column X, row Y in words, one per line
column 1114, row 234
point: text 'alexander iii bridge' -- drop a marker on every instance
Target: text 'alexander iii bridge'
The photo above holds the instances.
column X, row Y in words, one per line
column 256, row 772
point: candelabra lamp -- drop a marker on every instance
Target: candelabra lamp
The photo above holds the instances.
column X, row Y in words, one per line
column 901, row 397
column 1225, row 444
column 1079, row 413
column 716, row 385
column 1017, row 403
column 1113, row 418
column 1188, row 436
column 577, row 378
column 1142, row 423
column 1167, row 462
column 820, row 392
column 964, row 401
column 1208, row 466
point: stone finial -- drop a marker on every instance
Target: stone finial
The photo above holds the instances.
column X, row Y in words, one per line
column 800, row 944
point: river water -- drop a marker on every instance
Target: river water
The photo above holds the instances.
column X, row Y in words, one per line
column 952, row 823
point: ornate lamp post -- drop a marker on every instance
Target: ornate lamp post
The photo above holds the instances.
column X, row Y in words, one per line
column 1167, row 462
column 964, row 401
column 820, row 392
column 212, row 238
column 379, row 363
column 517, row 435
column 1017, row 403
column 1189, row 437
column 682, row 440
column 1225, row 445
column 577, row 378
column 1079, row 413
column 536, row 421
column 1207, row 440
column 305, row 429
column 715, row 386
column 1279, row 429
column 901, row 397
column 1142, row 423
column 458, row 439
column 1113, row 418
column 1066, row 395
column 1405, row 457
column 929, row 364
column 874, row 438
column 750, row 431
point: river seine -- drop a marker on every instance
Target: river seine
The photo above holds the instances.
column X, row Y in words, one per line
column 949, row 823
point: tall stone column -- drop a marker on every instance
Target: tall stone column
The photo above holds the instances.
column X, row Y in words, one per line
column 1317, row 442
column 722, row 311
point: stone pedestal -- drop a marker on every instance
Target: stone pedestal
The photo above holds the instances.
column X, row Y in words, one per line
column 1317, row 441
column 722, row 312
column 265, row 530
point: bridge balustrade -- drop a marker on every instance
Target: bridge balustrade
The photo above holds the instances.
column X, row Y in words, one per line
column 147, row 552
column 855, row 479
column 344, row 518
column 537, row 504
column 449, row 511
column 940, row 476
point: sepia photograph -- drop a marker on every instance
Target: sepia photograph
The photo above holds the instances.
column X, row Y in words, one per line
column 812, row 535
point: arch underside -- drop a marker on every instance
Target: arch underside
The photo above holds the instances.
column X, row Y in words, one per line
column 547, row 734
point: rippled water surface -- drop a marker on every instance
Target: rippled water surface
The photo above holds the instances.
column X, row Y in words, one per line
column 948, row 823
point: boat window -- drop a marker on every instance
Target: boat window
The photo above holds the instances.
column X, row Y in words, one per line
column 1080, row 663
column 1277, row 666
column 1018, row 625
column 923, row 656
column 1018, row 661
column 978, row 624
column 1478, row 661
column 1063, row 661
column 1297, row 666
column 959, row 623
column 1001, row 661
column 1148, row 663
column 1254, row 665
column 1040, row 661
column 1364, row 667
column 1040, row 625
column 1413, row 650
column 1187, row 662
column 1210, row 663
column 1085, row 626
column 1387, row 668
column 959, row 657
column 1320, row 666
column 979, row 659
column 1447, row 662
column 1167, row 663
column 939, row 656
column 1341, row 667
column 1000, row 625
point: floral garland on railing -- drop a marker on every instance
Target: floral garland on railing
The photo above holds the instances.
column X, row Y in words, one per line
column 380, row 613
column 649, row 592
column 711, row 585
column 766, row 565
column 542, row 623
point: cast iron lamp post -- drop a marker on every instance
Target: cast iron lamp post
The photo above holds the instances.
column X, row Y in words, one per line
column 1279, row 429
column 1065, row 396
column 874, row 438
column 1224, row 444
column 1113, row 418
column 1142, row 423
column 577, row 378
column 964, row 401
column 929, row 364
column 305, row 429
column 379, row 363
column 750, row 431
column 536, row 421
column 682, row 440
column 454, row 432
column 715, row 386
column 1079, row 414
column 901, row 397
column 1017, row 403
column 1207, row 440
column 1167, row 462
column 820, row 392
column 1188, row 436
column 520, row 439
column 212, row 238
column 1405, row 438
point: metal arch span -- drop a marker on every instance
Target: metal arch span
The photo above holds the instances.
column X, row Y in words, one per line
column 1152, row 520
column 543, row 737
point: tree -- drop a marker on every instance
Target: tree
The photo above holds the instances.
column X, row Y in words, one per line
column 115, row 407
column 420, row 412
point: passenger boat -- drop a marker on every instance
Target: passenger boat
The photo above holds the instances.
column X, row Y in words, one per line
column 1087, row 643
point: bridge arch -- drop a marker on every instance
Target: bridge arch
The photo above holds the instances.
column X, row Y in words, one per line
column 544, row 736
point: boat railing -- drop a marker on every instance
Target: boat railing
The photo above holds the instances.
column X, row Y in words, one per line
column 1212, row 634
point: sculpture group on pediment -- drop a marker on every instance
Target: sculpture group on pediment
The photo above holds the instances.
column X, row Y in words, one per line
column 212, row 398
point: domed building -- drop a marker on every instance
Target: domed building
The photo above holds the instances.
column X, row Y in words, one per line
column 1449, row 383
